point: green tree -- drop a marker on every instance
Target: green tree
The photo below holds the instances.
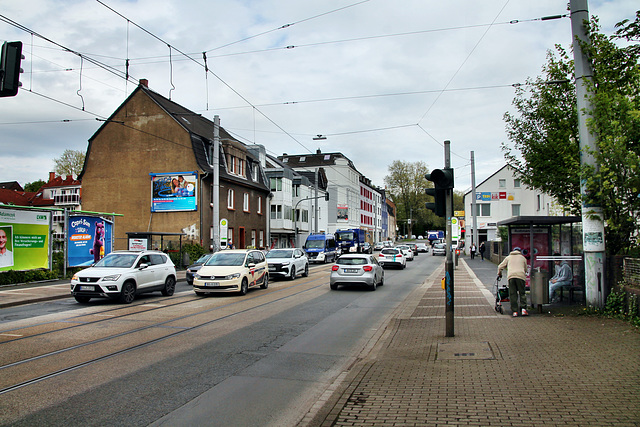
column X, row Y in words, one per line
column 544, row 133
column 69, row 163
column 34, row 186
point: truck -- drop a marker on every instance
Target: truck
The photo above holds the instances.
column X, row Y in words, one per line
column 433, row 235
column 350, row 240
column 321, row 247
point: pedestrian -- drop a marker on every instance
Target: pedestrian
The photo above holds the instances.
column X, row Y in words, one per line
column 482, row 249
column 472, row 250
column 516, row 265
column 563, row 277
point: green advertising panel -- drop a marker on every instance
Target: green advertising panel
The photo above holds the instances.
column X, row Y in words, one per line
column 24, row 239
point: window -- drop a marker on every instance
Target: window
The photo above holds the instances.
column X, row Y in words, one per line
column 276, row 184
column 253, row 238
column 276, row 211
column 230, row 236
column 516, row 183
column 538, row 202
column 483, row 209
column 261, row 238
column 515, row 210
column 502, row 183
column 230, row 196
column 231, row 164
column 260, row 205
column 245, row 202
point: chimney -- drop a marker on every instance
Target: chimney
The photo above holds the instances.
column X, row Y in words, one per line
column 144, row 83
column 52, row 176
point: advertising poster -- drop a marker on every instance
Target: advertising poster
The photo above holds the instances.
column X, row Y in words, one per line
column 24, row 239
column 343, row 213
column 520, row 238
column 89, row 240
column 175, row 191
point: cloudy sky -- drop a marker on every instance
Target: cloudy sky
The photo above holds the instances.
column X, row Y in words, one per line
column 381, row 80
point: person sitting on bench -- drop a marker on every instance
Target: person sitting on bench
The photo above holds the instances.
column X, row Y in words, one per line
column 563, row 277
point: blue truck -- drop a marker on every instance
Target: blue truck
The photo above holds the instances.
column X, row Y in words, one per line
column 321, row 247
column 350, row 241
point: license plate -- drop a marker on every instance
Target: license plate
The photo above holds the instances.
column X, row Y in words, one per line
column 350, row 270
column 87, row 288
column 212, row 284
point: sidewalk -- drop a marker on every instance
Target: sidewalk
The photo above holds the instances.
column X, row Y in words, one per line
column 11, row 296
column 544, row 369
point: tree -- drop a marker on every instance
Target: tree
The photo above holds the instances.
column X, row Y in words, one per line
column 32, row 187
column 544, row 132
column 70, row 163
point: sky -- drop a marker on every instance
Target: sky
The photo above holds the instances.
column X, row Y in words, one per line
column 380, row 80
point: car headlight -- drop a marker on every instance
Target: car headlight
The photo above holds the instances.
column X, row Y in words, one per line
column 285, row 263
column 233, row 276
column 75, row 277
column 111, row 278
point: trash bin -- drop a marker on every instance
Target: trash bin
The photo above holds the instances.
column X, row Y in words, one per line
column 539, row 287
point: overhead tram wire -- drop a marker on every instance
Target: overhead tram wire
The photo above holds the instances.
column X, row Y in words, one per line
column 287, row 25
column 212, row 73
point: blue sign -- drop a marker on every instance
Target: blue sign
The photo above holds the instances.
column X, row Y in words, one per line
column 89, row 240
column 175, row 191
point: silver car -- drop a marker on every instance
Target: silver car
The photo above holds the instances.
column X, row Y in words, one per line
column 439, row 249
column 357, row 269
column 287, row 263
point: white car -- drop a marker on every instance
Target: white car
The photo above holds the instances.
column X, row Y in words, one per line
column 407, row 251
column 124, row 274
column 392, row 257
column 232, row 270
column 288, row 263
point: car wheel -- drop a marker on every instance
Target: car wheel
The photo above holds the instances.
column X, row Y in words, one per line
column 381, row 283
column 373, row 286
column 333, row 286
column 305, row 273
column 128, row 293
column 292, row 273
column 265, row 282
column 81, row 299
column 244, row 286
column 169, row 286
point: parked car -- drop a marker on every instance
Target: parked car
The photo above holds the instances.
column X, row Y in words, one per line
column 367, row 248
column 193, row 268
column 124, row 274
column 356, row 269
column 422, row 247
column 407, row 251
column 378, row 246
column 439, row 249
column 392, row 257
column 288, row 263
column 420, row 237
column 233, row 270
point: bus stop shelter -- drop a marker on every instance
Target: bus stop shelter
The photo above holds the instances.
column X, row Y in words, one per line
column 541, row 238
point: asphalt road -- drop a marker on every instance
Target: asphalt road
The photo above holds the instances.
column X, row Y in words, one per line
column 262, row 359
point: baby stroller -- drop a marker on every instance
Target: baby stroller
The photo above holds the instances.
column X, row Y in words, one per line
column 502, row 295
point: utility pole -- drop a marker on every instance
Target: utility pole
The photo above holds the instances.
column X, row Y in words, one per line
column 474, row 209
column 592, row 217
column 215, row 244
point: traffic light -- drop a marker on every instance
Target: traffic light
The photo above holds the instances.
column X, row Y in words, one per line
column 10, row 68
column 443, row 181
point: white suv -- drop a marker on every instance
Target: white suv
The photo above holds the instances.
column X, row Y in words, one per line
column 124, row 274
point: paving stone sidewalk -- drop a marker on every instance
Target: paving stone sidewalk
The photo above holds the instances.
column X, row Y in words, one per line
column 543, row 369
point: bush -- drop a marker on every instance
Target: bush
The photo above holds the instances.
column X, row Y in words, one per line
column 13, row 277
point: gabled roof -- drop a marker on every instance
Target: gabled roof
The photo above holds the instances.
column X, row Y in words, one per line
column 11, row 185
column 201, row 131
column 312, row 160
column 21, row 198
column 59, row 181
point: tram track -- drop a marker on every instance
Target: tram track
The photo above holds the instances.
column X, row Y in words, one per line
column 307, row 286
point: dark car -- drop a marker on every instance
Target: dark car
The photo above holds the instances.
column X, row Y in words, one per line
column 367, row 248
column 193, row 268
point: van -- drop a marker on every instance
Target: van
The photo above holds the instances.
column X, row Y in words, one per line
column 321, row 248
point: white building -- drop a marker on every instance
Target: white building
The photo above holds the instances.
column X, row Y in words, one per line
column 502, row 196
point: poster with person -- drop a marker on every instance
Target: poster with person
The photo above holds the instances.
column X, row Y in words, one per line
column 24, row 239
column 174, row 191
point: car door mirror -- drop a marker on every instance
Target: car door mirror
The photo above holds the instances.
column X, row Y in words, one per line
column 143, row 266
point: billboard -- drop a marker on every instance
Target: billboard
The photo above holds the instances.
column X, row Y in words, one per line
column 89, row 239
column 24, row 239
column 174, row 191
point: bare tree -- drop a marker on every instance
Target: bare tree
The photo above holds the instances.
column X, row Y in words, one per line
column 70, row 163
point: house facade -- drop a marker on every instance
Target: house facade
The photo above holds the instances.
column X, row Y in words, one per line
column 153, row 161
column 502, row 196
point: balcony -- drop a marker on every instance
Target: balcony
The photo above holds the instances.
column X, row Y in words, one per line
column 67, row 199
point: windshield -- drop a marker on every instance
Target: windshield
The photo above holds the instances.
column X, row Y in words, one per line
column 315, row 244
column 117, row 260
column 439, row 246
column 348, row 235
column 226, row 259
column 280, row 253
column 202, row 259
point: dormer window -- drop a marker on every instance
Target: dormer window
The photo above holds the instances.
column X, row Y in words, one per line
column 236, row 166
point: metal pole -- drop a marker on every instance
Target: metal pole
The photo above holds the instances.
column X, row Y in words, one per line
column 215, row 244
column 449, row 262
column 474, row 205
column 592, row 219
column 315, row 204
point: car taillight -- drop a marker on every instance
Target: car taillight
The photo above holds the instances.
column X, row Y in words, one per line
column 381, row 256
column 367, row 268
column 335, row 268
